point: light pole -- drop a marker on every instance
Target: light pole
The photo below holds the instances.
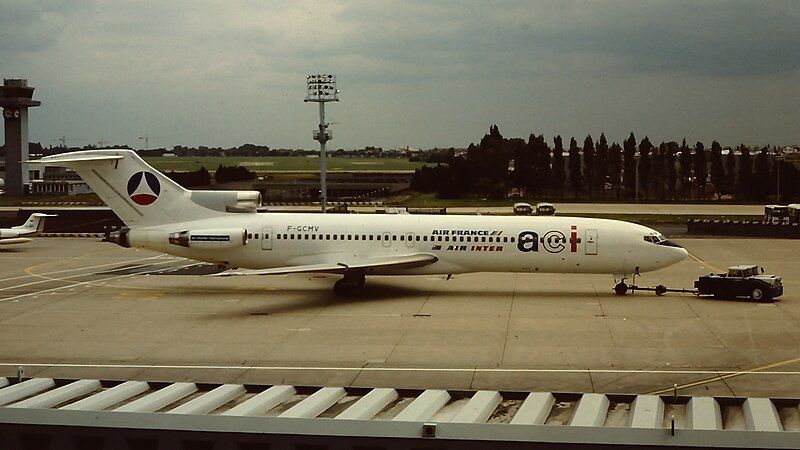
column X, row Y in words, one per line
column 322, row 89
column 636, row 157
column 778, row 158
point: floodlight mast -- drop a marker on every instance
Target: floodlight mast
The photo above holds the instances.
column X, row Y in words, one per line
column 322, row 89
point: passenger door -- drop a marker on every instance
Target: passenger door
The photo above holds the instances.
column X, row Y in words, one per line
column 266, row 238
column 591, row 242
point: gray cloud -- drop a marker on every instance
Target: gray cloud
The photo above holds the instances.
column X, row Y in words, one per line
column 412, row 73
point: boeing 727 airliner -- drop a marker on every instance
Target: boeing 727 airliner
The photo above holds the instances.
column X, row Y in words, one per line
column 222, row 227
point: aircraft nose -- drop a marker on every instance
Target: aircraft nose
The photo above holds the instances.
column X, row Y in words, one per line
column 679, row 253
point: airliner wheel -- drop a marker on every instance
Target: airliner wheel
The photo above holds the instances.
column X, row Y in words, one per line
column 341, row 289
column 621, row 288
column 344, row 288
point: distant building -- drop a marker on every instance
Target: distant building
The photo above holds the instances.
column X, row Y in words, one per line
column 59, row 181
column 32, row 174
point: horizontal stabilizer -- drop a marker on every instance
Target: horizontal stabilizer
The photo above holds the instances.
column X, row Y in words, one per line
column 69, row 158
column 367, row 265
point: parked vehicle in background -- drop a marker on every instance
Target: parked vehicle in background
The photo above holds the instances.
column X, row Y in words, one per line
column 523, row 209
column 776, row 214
column 545, row 209
column 741, row 281
column 794, row 213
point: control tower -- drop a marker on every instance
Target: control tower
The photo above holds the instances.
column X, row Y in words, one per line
column 15, row 98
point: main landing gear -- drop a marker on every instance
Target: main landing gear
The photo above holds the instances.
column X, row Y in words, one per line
column 349, row 284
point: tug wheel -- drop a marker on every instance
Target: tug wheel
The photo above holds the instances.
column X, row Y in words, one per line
column 621, row 288
column 759, row 295
column 661, row 290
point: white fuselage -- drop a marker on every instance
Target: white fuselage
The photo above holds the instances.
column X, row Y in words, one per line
column 461, row 244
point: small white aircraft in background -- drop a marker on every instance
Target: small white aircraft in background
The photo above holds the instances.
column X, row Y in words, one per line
column 21, row 234
column 223, row 227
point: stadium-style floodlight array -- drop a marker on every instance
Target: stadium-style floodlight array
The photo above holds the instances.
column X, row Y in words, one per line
column 321, row 88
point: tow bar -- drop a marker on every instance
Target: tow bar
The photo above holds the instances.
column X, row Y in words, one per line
column 623, row 288
column 660, row 289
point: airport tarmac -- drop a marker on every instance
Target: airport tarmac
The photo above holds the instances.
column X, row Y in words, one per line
column 81, row 308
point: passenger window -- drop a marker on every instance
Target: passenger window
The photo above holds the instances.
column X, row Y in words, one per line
column 363, row 237
column 341, row 237
column 394, row 237
column 334, row 237
column 249, row 235
column 512, row 239
column 292, row 236
column 327, row 237
column 417, row 239
column 402, row 238
column 370, row 237
column 349, row 237
column 505, row 239
column 356, row 236
column 483, row 239
column 266, row 236
column 306, row 237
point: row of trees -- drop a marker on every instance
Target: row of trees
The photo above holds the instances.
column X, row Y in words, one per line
column 202, row 177
column 601, row 170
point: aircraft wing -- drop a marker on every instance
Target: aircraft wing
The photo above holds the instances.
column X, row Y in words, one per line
column 366, row 265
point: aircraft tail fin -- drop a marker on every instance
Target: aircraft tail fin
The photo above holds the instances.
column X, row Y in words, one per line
column 34, row 225
column 139, row 194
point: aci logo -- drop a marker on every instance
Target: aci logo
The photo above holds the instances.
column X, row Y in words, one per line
column 553, row 241
column 143, row 193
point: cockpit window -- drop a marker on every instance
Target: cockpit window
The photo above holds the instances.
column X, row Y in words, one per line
column 655, row 238
column 660, row 240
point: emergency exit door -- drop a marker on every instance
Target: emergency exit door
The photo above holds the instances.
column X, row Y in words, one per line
column 591, row 242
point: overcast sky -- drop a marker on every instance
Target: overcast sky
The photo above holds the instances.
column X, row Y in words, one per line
column 422, row 74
